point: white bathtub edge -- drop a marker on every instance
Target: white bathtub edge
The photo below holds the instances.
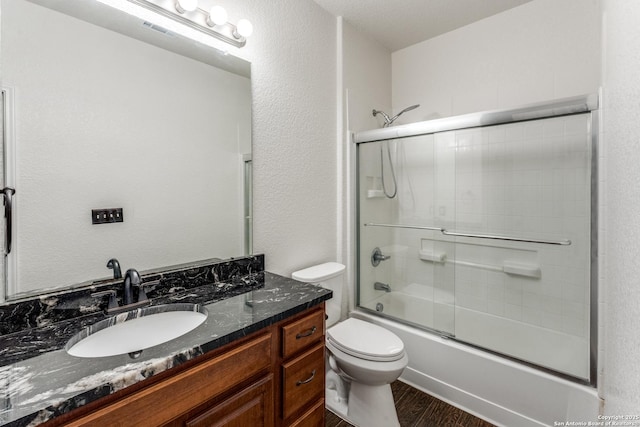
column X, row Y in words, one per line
column 474, row 405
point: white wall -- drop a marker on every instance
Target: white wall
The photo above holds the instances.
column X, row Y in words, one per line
column 293, row 76
column 366, row 69
column 542, row 50
column 622, row 225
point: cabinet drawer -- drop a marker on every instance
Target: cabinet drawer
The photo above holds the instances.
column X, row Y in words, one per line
column 162, row 402
column 302, row 333
column 314, row 417
column 303, row 380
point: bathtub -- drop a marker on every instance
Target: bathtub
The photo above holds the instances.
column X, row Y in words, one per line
column 497, row 389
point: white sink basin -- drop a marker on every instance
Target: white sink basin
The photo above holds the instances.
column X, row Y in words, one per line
column 136, row 330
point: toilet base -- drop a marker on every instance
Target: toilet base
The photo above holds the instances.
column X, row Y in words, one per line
column 336, row 406
column 368, row 406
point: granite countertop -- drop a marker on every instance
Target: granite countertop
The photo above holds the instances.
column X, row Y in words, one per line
column 41, row 387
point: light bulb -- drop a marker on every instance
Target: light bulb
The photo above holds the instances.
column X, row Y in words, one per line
column 183, row 6
column 217, row 16
column 244, row 28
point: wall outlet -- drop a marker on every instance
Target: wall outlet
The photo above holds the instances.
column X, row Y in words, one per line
column 106, row 216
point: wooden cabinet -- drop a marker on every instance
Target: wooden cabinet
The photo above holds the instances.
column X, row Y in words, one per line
column 164, row 401
column 302, row 369
column 313, row 417
column 253, row 406
column 302, row 380
column 274, row 377
column 301, row 333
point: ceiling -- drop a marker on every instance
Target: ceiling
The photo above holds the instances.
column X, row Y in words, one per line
column 397, row 24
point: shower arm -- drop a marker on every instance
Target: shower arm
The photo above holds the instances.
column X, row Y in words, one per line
column 387, row 120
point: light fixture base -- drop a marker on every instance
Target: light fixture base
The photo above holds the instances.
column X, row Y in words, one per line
column 198, row 21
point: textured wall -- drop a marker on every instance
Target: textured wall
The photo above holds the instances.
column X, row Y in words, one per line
column 293, row 56
column 541, row 50
column 622, row 132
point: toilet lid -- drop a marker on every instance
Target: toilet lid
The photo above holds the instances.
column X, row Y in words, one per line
column 366, row 341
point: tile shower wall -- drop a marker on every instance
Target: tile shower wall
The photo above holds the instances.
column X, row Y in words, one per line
column 528, row 180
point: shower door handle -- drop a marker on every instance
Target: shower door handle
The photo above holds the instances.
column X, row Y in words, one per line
column 7, row 193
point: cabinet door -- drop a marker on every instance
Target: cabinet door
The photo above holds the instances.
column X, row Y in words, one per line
column 253, row 407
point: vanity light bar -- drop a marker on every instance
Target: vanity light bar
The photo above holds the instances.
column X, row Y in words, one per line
column 213, row 23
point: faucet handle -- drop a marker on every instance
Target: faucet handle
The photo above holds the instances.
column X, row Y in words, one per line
column 377, row 256
column 113, row 302
column 142, row 295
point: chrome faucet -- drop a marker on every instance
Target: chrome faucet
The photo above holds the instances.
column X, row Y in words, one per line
column 379, row 286
column 131, row 278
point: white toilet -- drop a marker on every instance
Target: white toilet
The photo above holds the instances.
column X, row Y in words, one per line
column 363, row 359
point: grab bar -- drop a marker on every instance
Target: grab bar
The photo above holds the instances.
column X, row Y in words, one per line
column 7, row 193
column 563, row 242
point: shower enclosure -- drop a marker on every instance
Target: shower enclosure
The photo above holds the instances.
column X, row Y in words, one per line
column 490, row 238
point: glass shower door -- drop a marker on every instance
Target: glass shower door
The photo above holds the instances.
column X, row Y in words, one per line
column 484, row 235
column 526, row 292
column 403, row 203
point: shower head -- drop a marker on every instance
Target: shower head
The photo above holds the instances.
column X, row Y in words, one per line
column 413, row 107
column 388, row 121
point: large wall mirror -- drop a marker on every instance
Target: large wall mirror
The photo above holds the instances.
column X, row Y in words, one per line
column 103, row 110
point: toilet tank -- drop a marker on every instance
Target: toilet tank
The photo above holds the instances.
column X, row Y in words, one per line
column 328, row 276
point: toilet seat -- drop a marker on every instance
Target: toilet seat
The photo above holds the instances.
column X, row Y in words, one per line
column 366, row 341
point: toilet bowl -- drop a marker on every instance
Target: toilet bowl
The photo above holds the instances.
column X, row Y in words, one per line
column 363, row 359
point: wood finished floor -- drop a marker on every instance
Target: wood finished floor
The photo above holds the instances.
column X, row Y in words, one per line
column 418, row 409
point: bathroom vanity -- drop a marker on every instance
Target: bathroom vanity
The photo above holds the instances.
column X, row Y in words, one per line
column 234, row 385
column 258, row 359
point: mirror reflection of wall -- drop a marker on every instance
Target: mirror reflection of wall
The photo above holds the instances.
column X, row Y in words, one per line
column 102, row 120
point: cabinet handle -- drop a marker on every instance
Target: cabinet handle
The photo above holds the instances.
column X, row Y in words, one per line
column 306, row 334
column 308, row 380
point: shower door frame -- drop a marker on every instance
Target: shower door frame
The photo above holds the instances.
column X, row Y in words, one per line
column 583, row 104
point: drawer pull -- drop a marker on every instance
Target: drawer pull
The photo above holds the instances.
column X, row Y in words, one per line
column 308, row 380
column 306, row 334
